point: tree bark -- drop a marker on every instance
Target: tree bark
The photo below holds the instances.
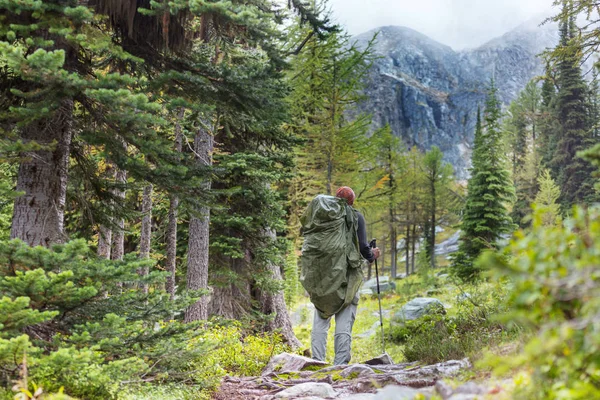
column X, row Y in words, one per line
column 118, row 244
column 274, row 304
column 433, row 222
column 171, row 262
column 198, row 246
column 414, row 245
column 232, row 300
column 146, row 231
column 393, row 244
column 38, row 216
column 407, row 245
column 104, row 241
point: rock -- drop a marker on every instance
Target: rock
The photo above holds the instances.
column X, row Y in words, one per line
column 448, row 246
column 383, row 359
column 356, row 370
column 359, row 396
column 393, row 392
column 444, row 389
column 286, row 362
column 417, row 308
column 471, row 388
column 372, row 331
column 463, row 297
column 385, row 285
column 316, row 389
column 428, row 93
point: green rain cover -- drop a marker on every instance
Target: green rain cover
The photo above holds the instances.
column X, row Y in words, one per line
column 331, row 261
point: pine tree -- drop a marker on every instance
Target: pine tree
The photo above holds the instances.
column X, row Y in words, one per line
column 522, row 126
column 489, row 192
column 547, row 199
column 574, row 174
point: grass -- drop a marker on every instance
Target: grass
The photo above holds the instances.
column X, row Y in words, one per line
column 407, row 289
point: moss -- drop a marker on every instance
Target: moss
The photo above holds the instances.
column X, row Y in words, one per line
column 353, row 375
column 288, row 376
column 314, row 367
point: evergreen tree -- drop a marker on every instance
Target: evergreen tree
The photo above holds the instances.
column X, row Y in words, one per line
column 489, row 192
column 547, row 199
column 574, row 174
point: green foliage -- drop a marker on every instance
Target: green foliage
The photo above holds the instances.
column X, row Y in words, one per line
column 439, row 337
column 326, row 78
column 86, row 330
column 554, row 291
column 490, row 192
column 439, row 197
column 573, row 174
column 234, row 354
column 546, row 201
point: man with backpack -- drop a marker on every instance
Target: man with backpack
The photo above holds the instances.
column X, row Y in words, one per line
column 335, row 247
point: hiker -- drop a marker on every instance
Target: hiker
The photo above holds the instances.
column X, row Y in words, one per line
column 334, row 250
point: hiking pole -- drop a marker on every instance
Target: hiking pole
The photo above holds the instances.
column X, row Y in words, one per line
column 373, row 245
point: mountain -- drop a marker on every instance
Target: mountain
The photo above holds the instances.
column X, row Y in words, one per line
column 429, row 93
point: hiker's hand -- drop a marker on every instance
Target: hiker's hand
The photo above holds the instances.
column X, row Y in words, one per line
column 376, row 253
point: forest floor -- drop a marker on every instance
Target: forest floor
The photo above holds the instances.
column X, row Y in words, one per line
column 450, row 379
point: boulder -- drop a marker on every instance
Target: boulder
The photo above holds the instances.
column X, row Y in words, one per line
column 360, row 396
column 309, row 389
column 383, row 359
column 444, row 389
column 286, row 362
column 417, row 308
column 394, row 392
column 356, row 370
column 471, row 388
column 385, row 285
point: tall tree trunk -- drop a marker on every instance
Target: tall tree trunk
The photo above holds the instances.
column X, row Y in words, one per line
column 198, row 246
column 172, row 226
column 38, row 216
column 118, row 244
column 104, row 241
column 407, row 247
column 328, row 186
column 393, row 252
column 146, row 232
column 433, row 222
column 273, row 304
column 414, row 246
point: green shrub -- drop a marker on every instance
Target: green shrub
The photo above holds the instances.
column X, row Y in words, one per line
column 555, row 274
column 83, row 326
column 438, row 337
column 232, row 353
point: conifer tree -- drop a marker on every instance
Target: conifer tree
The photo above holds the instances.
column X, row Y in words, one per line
column 574, row 174
column 489, row 192
column 547, row 199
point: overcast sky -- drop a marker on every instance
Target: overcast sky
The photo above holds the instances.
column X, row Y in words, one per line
column 457, row 23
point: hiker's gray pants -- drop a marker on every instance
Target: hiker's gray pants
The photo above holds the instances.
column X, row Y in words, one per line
column 344, row 320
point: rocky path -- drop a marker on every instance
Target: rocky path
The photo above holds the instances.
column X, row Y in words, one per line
column 294, row 377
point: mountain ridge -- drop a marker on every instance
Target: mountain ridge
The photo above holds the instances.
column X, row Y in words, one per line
column 429, row 93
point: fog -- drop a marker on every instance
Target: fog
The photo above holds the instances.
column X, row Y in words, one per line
column 457, row 23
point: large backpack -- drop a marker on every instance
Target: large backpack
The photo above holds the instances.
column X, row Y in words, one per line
column 331, row 261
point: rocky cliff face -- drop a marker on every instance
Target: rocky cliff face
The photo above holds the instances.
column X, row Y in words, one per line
column 428, row 93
